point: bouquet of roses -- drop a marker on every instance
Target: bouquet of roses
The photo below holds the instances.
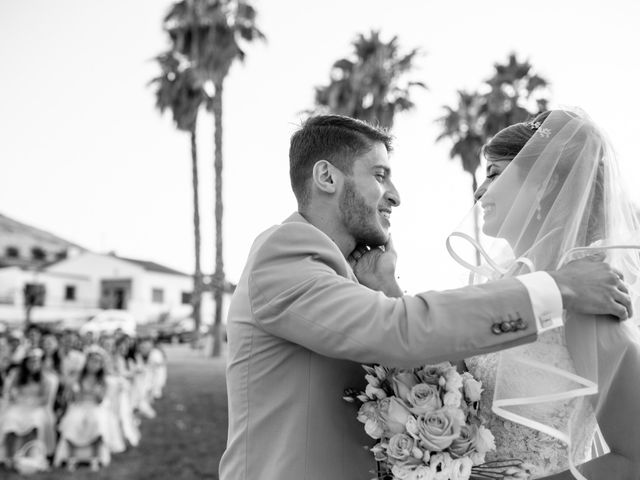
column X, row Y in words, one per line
column 426, row 423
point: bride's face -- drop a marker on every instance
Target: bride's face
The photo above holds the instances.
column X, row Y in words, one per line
column 495, row 201
column 501, row 200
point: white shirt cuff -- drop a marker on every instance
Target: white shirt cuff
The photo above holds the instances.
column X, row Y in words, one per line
column 545, row 299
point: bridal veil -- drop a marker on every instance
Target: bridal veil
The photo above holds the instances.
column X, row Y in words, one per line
column 561, row 198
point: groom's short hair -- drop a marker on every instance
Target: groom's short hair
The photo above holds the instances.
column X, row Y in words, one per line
column 335, row 138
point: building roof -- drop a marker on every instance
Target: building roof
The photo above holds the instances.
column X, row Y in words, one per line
column 153, row 266
column 11, row 226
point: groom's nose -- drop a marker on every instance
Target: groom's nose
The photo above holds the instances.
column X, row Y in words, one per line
column 392, row 195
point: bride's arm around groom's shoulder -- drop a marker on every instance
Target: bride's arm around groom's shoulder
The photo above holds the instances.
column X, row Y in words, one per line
column 302, row 289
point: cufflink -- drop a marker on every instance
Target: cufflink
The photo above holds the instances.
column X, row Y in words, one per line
column 499, row 328
column 545, row 322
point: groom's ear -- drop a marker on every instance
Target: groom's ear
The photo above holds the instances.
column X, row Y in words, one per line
column 325, row 176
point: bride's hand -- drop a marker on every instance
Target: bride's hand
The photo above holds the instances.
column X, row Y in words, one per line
column 376, row 268
column 593, row 287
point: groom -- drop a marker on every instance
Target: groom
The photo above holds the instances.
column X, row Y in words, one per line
column 301, row 322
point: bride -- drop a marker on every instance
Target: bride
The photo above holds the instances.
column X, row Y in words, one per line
column 569, row 403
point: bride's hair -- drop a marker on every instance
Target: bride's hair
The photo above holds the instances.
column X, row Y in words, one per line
column 508, row 142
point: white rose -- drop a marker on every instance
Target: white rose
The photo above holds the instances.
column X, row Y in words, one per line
column 368, row 410
column 417, row 453
column 400, row 448
column 453, row 380
column 374, row 428
column 485, row 441
column 452, row 398
column 424, row 398
column 477, row 458
column 412, row 427
column 472, row 389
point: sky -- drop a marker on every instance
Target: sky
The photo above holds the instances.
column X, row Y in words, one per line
column 85, row 155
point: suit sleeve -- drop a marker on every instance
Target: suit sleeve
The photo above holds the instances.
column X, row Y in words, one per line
column 300, row 291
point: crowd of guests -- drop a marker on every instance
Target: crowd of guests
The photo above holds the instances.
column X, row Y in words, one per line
column 80, row 397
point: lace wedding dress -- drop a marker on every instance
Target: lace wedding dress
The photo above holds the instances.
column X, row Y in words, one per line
column 514, row 441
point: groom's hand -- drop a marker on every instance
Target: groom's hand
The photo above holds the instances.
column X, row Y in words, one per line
column 590, row 286
column 376, row 268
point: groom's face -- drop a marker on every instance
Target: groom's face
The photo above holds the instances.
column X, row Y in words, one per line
column 367, row 198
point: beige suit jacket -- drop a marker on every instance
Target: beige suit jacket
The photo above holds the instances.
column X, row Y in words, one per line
column 300, row 325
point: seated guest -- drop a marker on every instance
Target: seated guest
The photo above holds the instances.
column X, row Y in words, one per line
column 124, row 364
column 18, row 346
column 52, row 367
column 84, row 426
column 115, row 436
column 142, row 397
column 158, row 370
column 28, row 413
column 52, row 359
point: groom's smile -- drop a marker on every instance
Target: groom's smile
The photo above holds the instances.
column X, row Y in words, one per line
column 385, row 213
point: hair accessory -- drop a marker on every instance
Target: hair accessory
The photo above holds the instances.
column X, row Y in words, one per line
column 544, row 132
column 535, row 126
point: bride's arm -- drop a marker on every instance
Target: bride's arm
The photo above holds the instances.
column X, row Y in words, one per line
column 618, row 403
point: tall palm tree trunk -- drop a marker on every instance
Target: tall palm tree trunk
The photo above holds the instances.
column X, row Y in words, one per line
column 218, row 277
column 196, row 299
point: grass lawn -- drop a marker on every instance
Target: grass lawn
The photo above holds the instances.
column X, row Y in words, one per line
column 186, row 439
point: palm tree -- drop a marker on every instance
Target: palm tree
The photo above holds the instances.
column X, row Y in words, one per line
column 209, row 34
column 464, row 126
column 371, row 84
column 516, row 94
column 177, row 90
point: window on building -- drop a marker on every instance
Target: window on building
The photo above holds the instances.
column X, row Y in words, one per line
column 61, row 255
column 34, row 294
column 38, row 253
column 157, row 295
column 12, row 252
column 70, row 292
column 186, row 298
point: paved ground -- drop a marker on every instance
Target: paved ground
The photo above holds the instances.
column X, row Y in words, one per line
column 186, row 439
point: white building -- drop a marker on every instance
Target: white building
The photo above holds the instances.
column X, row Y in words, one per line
column 78, row 283
column 148, row 290
column 66, row 296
